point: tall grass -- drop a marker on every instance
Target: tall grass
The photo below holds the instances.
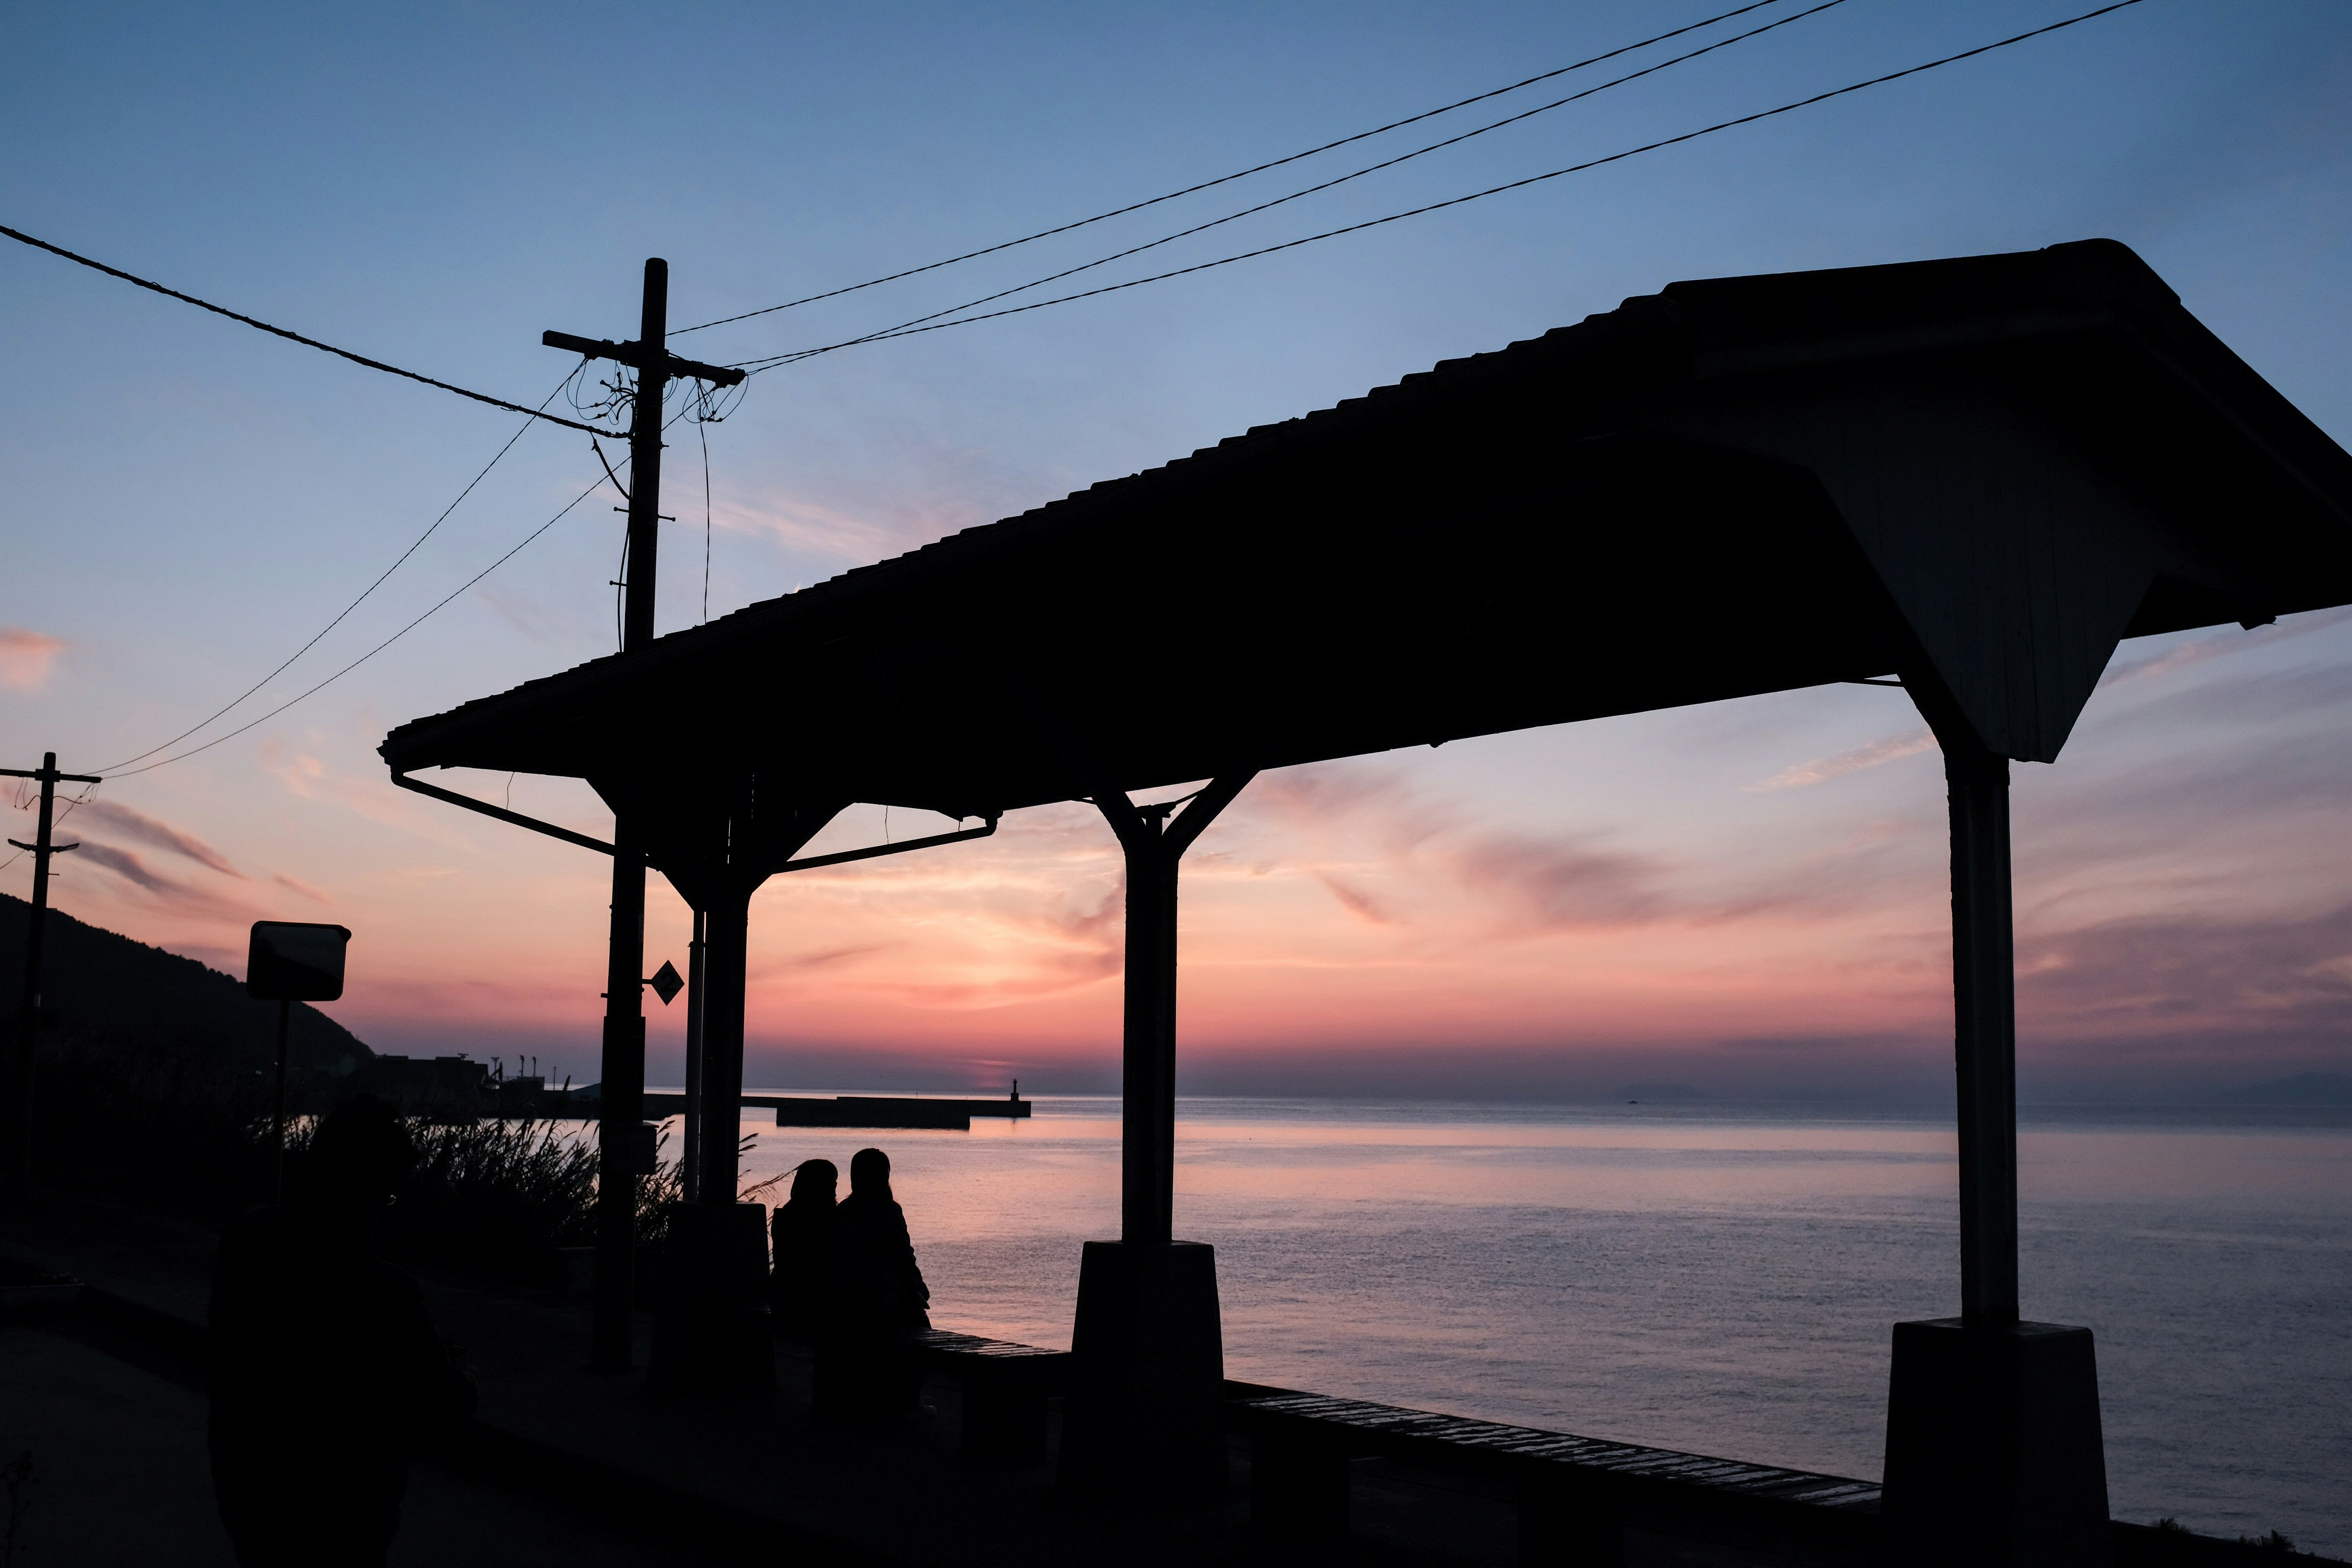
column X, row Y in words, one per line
column 503, row 1198
column 184, row 1133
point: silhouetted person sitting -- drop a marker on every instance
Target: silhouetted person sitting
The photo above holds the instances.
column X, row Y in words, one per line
column 867, row 1365
column 800, row 1279
column 325, row 1369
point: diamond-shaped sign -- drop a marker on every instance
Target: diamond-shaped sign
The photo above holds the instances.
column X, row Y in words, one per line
column 666, row 983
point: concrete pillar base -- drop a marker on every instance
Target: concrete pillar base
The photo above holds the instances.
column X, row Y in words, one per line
column 1144, row 1421
column 712, row 1329
column 1994, row 1458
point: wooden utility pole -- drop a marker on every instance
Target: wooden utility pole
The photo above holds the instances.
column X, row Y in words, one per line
column 621, row 1159
column 19, row 1112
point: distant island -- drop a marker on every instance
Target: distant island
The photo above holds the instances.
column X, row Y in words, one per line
column 2301, row 1088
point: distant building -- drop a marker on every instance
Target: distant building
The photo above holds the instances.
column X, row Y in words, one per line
column 440, row 1089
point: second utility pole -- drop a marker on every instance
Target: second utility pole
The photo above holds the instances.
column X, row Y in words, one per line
column 621, row 1157
column 18, row 1176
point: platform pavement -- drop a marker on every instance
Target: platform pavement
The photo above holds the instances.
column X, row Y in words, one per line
column 723, row 1475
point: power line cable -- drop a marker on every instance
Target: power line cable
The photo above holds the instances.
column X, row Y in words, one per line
column 610, row 476
column 1228, row 179
column 84, row 798
column 297, row 337
column 702, row 428
column 757, row 366
column 341, row 615
column 469, row 582
column 1343, row 179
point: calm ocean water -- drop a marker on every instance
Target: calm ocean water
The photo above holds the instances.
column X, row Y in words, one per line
column 1715, row 1278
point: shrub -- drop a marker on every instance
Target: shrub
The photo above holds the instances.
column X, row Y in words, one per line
column 191, row 1134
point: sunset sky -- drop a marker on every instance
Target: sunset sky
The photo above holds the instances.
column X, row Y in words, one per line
column 1744, row 898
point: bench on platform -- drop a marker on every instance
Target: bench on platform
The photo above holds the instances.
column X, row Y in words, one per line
column 1574, row 1493
column 1005, row 1386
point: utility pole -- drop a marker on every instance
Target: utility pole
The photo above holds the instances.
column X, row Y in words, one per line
column 620, row 1157
column 19, row 1113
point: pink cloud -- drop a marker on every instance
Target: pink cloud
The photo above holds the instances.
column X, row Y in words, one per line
column 1059, row 951
column 1356, row 902
column 295, row 885
column 1821, row 770
column 141, row 829
column 26, row 657
column 160, row 888
column 1562, row 883
column 2198, row 650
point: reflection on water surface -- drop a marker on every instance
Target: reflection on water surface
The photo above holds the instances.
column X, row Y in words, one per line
column 1717, row 1279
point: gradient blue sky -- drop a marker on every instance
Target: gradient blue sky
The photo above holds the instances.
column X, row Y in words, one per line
column 1744, row 896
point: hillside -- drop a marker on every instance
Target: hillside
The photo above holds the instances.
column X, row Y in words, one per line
column 102, row 984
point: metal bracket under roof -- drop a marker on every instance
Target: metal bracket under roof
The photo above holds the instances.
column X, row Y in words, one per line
column 873, row 851
column 812, row 863
column 516, row 818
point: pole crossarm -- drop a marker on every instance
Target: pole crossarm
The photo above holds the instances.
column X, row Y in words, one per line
column 633, row 354
column 52, row 774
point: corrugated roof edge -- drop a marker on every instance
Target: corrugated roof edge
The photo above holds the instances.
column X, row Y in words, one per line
column 1068, row 512
column 2101, row 271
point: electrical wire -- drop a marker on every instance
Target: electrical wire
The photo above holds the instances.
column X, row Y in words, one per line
column 1228, row 179
column 697, row 407
column 295, row 337
column 611, row 477
column 620, row 594
column 469, row 582
column 1343, row 179
column 355, row 604
column 88, row 793
column 702, row 429
column 756, row 366
column 927, row 326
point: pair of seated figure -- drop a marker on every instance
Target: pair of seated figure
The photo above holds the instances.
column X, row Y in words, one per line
column 844, row 1281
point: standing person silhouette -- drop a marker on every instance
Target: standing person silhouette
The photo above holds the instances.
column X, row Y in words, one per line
column 800, row 1276
column 326, row 1370
column 867, row 1362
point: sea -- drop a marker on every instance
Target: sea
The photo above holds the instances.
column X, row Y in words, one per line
column 1716, row 1278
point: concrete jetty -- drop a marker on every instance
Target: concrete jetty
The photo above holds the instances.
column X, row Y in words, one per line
column 805, row 1111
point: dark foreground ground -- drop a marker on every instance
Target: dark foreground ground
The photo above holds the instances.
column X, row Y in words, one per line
column 569, row 1468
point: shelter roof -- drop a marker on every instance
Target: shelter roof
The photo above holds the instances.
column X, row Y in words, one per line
column 1980, row 473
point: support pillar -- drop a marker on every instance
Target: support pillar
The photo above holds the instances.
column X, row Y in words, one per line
column 711, row 1326
column 1147, row 1347
column 1147, row 1126
column 1984, row 1011
column 696, row 989
column 1994, row 1456
column 726, row 956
